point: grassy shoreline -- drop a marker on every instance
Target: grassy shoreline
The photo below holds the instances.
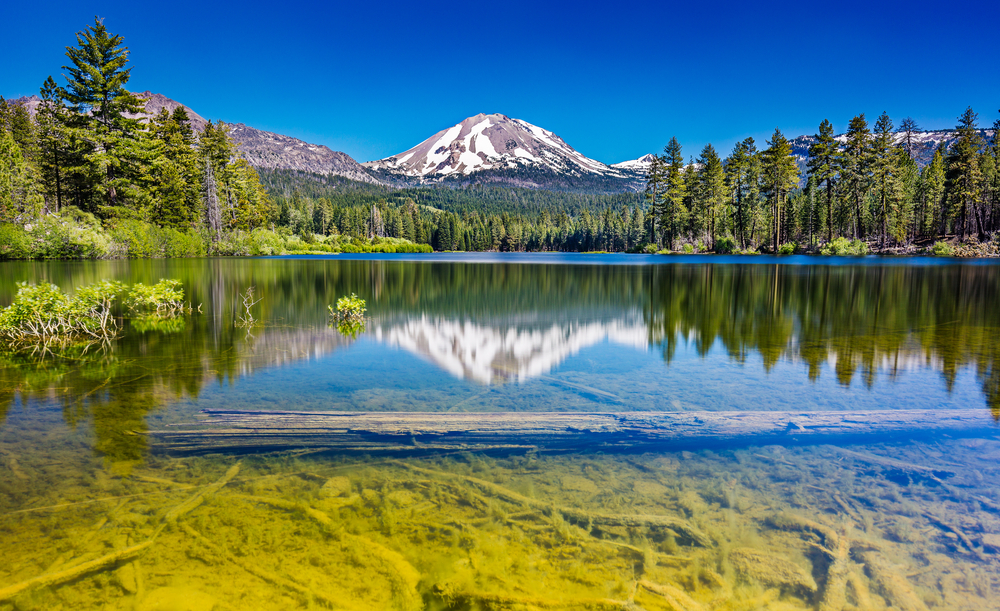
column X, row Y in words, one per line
column 73, row 234
column 77, row 235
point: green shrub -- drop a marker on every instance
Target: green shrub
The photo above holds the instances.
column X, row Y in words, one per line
column 43, row 313
column 14, row 242
column 71, row 234
column 135, row 240
column 349, row 307
column 140, row 240
column 648, row 249
column 688, row 249
column 788, row 248
column 725, row 245
column 943, row 249
column 844, row 247
column 165, row 298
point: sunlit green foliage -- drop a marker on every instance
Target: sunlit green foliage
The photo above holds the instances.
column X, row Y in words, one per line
column 843, row 246
column 942, row 249
column 44, row 313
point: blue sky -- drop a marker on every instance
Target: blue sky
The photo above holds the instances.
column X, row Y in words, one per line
column 615, row 79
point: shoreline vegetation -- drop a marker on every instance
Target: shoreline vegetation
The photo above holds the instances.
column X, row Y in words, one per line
column 85, row 175
column 43, row 316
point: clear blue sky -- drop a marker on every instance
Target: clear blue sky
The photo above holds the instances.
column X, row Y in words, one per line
column 615, row 79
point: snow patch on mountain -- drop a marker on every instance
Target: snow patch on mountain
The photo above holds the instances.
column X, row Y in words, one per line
column 491, row 142
column 639, row 165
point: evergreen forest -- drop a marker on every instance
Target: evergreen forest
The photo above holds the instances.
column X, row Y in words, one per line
column 86, row 175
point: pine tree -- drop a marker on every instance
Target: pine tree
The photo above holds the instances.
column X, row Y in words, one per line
column 712, row 190
column 856, row 172
column 885, row 176
column 780, row 175
column 20, row 199
column 743, row 174
column 964, row 177
column 174, row 174
column 907, row 128
column 823, row 167
column 655, row 176
column 933, row 217
column 671, row 212
column 53, row 138
column 96, row 81
column 993, row 180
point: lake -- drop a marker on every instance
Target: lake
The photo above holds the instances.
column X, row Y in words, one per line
column 118, row 490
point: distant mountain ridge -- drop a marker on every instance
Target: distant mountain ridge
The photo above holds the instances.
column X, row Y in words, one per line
column 482, row 149
column 495, row 148
column 261, row 149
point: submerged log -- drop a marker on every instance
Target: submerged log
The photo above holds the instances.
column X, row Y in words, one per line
column 243, row 430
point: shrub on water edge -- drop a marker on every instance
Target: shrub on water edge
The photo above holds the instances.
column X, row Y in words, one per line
column 725, row 245
column 14, row 242
column 266, row 242
column 844, row 247
column 165, row 298
column 942, row 249
column 182, row 243
column 71, row 234
column 688, row 249
column 42, row 313
column 788, row 248
column 134, row 239
column 137, row 239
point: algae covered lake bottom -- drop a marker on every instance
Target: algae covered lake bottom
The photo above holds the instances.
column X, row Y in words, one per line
column 95, row 515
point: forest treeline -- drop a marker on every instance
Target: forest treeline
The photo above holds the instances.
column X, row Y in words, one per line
column 85, row 176
column 865, row 186
column 862, row 192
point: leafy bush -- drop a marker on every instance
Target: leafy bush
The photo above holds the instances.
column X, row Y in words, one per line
column 71, row 234
column 137, row 239
column 14, row 242
column 43, row 313
column 182, row 244
column 688, row 249
column 788, row 248
column 165, row 298
column 649, row 249
column 352, row 307
column 942, row 249
column 725, row 245
column 844, row 247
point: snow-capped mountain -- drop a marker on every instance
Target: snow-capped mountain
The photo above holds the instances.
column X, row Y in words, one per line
column 636, row 165
column 497, row 148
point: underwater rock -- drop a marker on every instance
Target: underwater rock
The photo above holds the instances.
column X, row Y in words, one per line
column 335, row 486
column 893, row 585
column 992, row 542
column 177, row 599
column 125, row 577
column 771, row 570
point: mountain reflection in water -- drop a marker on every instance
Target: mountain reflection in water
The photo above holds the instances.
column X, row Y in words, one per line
column 487, row 354
column 490, row 323
column 908, row 522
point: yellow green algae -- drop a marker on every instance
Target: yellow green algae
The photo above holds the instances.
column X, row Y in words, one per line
column 774, row 527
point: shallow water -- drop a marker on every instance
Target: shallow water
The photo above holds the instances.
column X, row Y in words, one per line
column 910, row 522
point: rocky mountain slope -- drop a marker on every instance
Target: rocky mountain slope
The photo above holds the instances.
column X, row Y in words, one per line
column 498, row 149
column 262, row 149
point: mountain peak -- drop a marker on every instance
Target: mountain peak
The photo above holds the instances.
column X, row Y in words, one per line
column 639, row 165
column 491, row 142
